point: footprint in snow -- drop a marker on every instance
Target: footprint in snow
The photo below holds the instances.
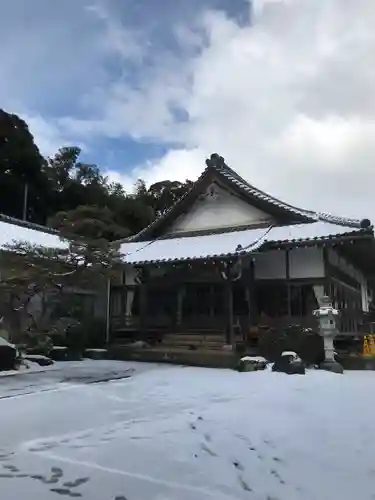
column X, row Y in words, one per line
column 238, row 465
column 244, row 484
column 269, row 443
column 11, row 468
column 208, row 450
column 77, row 482
column 54, row 478
column 277, row 476
column 66, row 492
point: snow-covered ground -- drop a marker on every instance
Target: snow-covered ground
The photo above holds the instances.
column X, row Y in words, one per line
column 175, row 433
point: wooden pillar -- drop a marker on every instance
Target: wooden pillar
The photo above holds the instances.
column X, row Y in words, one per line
column 327, row 274
column 230, row 338
column 180, row 299
column 252, row 316
column 108, row 313
column 143, row 304
column 128, row 299
column 142, row 309
column 288, row 285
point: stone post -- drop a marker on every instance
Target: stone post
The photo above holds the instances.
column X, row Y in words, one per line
column 327, row 317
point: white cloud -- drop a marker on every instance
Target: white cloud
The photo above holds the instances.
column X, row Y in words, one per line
column 175, row 162
column 181, row 164
column 115, row 38
column 288, row 102
column 114, row 176
column 46, row 135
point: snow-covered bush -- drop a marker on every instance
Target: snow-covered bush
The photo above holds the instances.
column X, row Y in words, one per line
column 290, row 363
column 251, row 364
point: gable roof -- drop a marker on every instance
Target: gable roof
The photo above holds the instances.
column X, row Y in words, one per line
column 12, row 229
column 218, row 169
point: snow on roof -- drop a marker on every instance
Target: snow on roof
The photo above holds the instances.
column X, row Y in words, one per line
column 12, row 230
column 224, row 244
column 193, row 247
column 316, row 230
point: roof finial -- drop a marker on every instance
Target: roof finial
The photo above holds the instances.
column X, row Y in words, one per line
column 365, row 223
column 215, row 160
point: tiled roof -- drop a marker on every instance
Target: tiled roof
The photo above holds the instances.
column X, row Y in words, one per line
column 227, row 244
column 236, row 179
column 217, row 163
column 12, row 230
column 135, row 237
column 313, row 216
column 341, row 221
column 321, row 230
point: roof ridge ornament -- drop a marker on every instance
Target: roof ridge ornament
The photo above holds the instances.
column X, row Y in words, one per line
column 211, row 193
column 366, row 224
column 215, row 160
column 344, row 221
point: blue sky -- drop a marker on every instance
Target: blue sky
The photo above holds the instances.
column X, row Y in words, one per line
column 283, row 89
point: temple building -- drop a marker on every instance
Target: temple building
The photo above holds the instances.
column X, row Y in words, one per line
column 14, row 230
column 228, row 260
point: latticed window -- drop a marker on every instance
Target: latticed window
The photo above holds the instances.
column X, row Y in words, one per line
column 302, row 300
column 272, row 299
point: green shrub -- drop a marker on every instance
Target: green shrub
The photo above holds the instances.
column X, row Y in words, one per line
column 76, row 338
column 96, row 333
column 88, row 334
column 312, row 348
column 271, row 344
column 307, row 344
column 38, row 343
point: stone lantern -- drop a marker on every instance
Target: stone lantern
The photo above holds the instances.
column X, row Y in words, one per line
column 327, row 317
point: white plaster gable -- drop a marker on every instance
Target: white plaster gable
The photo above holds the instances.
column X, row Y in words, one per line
column 217, row 208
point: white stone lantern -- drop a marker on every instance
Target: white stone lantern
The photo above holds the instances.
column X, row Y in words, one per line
column 327, row 316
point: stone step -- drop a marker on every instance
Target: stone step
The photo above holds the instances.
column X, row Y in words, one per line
column 197, row 344
column 207, row 347
column 199, row 336
column 192, row 342
column 195, row 338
